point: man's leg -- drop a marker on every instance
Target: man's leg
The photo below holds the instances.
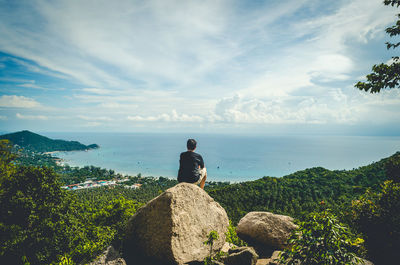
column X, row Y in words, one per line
column 203, row 178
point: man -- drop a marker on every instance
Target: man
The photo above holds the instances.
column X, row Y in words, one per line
column 191, row 166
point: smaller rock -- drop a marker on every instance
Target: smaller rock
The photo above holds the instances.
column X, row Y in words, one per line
column 241, row 256
column 263, row 262
column 265, row 229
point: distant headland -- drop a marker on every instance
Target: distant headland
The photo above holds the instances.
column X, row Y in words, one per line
column 38, row 143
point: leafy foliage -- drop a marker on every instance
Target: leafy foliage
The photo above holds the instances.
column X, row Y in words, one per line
column 42, row 224
column 377, row 217
column 385, row 75
column 213, row 235
column 66, row 260
column 232, row 237
column 151, row 187
column 301, row 192
column 321, row 239
column 33, row 223
column 392, row 168
column 71, row 175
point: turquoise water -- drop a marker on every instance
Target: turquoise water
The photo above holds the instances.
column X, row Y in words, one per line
column 227, row 157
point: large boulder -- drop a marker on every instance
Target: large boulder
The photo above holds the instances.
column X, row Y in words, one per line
column 171, row 228
column 265, row 229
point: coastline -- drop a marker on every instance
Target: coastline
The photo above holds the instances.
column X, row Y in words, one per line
column 53, row 152
column 63, row 162
column 77, row 150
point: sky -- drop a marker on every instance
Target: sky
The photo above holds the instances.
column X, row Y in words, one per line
column 195, row 66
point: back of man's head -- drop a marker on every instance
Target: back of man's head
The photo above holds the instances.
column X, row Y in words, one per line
column 191, row 144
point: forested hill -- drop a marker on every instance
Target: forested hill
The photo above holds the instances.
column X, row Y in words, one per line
column 301, row 192
column 38, row 143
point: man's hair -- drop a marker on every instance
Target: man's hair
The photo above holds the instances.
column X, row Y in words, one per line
column 191, row 144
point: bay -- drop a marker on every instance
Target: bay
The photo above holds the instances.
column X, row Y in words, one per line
column 227, row 157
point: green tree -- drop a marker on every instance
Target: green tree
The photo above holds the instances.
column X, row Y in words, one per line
column 40, row 223
column 377, row 217
column 385, row 75
column 321, row 239
column 33, row 224
column 392, row 168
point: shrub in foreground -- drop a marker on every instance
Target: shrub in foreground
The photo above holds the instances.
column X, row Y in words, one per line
column 321, row 239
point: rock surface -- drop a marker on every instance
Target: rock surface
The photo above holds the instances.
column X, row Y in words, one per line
column 241, row 256
column 109, row 257
column 171, row 228
column 365, row 262
column 227, row 246
column 266, row 229
column 274, row 258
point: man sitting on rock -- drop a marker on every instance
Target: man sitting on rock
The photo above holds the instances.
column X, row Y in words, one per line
column 191, row 166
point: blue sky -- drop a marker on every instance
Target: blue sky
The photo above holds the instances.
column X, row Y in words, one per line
column 201, row 66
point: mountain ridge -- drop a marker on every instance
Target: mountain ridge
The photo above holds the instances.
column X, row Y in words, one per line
column 302, row 191
column 39, row 143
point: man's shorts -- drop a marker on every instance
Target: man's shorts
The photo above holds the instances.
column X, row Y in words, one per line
column 203, row 173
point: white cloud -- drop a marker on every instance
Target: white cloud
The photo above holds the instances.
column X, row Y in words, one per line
column 331, row 67
column 209, row 61
column 36, row 69
column 31, row 117
column 99, row 91
column 16, row 80
column 166, row 117
column 77, row 33
column 100, row 118
column 300, row 110
column 326, row 55
column 18, row 102
column 31, row 85
column 116, row 106
column 92, row 124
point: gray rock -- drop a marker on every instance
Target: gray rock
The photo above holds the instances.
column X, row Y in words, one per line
column 214, row 262
column 227, row 246
column 109, row 257
column 266, row 229
column 364, row 262
column 171, row 228
column 263, row 262
column 241, row 256
column 274, row 258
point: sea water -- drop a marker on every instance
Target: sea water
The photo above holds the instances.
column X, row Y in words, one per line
column 227, row 157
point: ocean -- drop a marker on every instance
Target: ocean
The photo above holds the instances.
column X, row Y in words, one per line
column 227, row 157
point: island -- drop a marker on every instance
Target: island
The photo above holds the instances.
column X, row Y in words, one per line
column 42, row 144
